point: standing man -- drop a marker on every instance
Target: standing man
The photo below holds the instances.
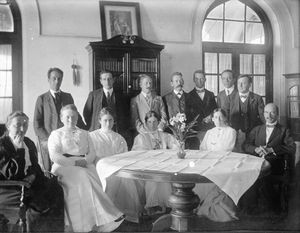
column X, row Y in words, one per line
column 143, row 103
column 200, row 102
column 106, row 97
column 226, row 96
column 246, row 110
column 47, row 111
column 273, row 142
column 175, row 101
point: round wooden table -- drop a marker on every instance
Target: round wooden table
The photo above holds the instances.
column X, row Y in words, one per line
column 183, row 200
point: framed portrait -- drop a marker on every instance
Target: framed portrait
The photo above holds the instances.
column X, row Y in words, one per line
column 120, row 18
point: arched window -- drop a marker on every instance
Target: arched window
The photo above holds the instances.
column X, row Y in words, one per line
column 237, row 35
column 10, row 59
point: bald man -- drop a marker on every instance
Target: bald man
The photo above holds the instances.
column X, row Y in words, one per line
column 274, row 143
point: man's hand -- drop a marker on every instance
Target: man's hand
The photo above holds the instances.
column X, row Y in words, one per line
column 262, row 151
column 81, row 163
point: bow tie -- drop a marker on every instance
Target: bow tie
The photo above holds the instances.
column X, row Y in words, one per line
column 200, row 91
column 270, row 126
column 244, row 96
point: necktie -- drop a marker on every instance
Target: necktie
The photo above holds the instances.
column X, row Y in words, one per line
column 227, row 92
column 108, row 98
column 148, row 99
column 244, row 96
column 179, row 94
column 200, row 91
column 57, row 97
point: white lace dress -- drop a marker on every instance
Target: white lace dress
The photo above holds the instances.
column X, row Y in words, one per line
column 87, row 207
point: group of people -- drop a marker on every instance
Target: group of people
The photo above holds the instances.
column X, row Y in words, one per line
column 237, row 121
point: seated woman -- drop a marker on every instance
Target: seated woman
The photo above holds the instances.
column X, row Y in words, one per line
column 19, row 161
column 123, row 192
column 214, row 203
column 157, row 194
column 87, row 207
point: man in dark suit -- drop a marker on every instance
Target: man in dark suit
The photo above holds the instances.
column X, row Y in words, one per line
column 175, row 101
column 200, row 102
column 246, row 110
column 225, row 96
column 273, row 142
column 107, row 97
column 47, row 111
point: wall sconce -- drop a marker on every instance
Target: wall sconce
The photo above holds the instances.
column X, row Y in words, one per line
column 128, row 39
column 76, row 76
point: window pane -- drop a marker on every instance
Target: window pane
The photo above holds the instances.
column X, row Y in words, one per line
column 255, row 33
column 6, row 108
column 217, row 12
column 6, row 19
column 251, row 15
column 212, row 30
column 234, row 10
column 224, row 61
column 5, row 84
column 259, row 64
column 5, row 57
column 259, row 85
column 211, row 83
column 234, row 32
column 211, row 63
column 245, row 64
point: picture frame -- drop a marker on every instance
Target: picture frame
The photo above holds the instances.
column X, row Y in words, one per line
column 119, row 18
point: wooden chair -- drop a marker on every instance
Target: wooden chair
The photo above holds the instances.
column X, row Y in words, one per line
column 12, row 206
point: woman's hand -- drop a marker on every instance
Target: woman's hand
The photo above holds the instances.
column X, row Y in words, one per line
column 30, row 179
column 81, row 163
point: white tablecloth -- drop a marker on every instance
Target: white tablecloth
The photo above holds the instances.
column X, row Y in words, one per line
column 233, row 172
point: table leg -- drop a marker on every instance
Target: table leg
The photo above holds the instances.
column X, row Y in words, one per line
column 183, row 202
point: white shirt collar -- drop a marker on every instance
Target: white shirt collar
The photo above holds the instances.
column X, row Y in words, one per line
column 177, row 92
column 272, row 124
column 200, row 89
column 245, row 94
column 230, row 90
column 53, row 92
column 108, row 90
column 145, row 95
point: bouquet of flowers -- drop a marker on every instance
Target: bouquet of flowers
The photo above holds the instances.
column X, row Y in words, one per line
column 181, row 130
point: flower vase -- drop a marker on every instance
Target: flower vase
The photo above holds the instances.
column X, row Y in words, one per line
column 181, row 152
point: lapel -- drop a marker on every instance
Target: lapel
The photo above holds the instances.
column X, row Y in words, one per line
column 263, row 135
column 251, row 99
column 197, row 97
column 274, row 133
column 50, row 101
column 153, row 101
column 235, row 104
column 10, row 147
column 142, row 103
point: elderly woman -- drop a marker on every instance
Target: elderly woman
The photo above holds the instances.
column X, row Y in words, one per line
column 156, row 193
column 87, row 207
column 19, row 161
column 215, row 204
column 123, row 192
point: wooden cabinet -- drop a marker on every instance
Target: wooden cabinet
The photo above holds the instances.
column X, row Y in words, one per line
column 126, row 57
column 293, row 103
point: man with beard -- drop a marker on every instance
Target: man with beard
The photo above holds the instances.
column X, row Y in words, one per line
column 175, row 100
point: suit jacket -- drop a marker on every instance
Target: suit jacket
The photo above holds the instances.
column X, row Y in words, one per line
column 9, row 155
column 224, row 101
column 139, row 108
column 195, row 105
column 172, row 104
column 46, row 117
column 255, row 111
column 93, row 106
column 280, row 140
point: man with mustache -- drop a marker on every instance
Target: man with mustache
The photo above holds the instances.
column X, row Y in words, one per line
column 143, row 103
column 175, row 100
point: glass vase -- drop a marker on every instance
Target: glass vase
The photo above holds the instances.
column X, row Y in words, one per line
column 181, row 152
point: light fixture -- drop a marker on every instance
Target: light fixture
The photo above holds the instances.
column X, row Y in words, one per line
column 128, row 39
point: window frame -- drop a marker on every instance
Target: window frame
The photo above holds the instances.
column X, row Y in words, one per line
column 244, row 48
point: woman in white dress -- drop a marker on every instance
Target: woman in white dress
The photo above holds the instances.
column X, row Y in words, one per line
column 87, row 207
column 214, row 203
column 123, row 192
column 157, row 194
